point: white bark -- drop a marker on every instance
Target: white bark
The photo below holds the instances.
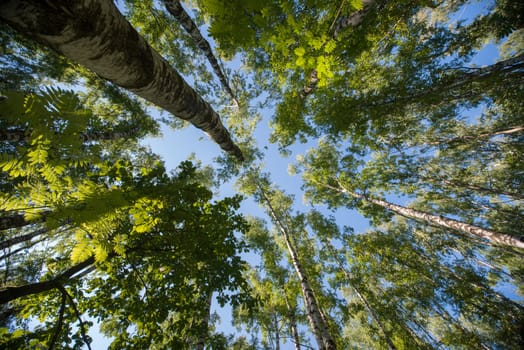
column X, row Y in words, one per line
column 495, row 237
column 317, row 323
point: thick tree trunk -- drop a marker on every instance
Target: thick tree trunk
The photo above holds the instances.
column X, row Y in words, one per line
column 174, row 7
column 495, row 237
column 94, row 34
column 8, row 294
column 17, row 221
column 318, row 325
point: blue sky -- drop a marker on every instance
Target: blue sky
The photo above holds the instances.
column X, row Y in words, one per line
column 177, row 145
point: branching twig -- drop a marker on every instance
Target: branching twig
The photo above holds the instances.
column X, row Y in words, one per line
column 78, row 316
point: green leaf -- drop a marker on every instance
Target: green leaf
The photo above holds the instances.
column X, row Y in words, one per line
column 299, row 51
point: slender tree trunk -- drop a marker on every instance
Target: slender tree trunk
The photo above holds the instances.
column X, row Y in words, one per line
column 13, row 135
column 23, row 135
column 318, row 325
column 482, row 189
column 292, row 323
column 174, row 7
column 8, row 294
column 354, row 19
column 502, row 69
column 22, row 238
column 10, row 253
column 495, row 237
column 277, row 332
column 201, row 341
column 477, row 137
column 94, row 34
column 361, row 297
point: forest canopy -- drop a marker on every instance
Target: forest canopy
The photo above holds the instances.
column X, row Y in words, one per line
column 402, row 117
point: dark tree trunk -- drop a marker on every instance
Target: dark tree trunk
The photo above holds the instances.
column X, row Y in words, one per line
column 8, row 294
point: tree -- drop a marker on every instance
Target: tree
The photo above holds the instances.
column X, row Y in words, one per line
column 318, row 322
column 102, row 217
column 176, row 9
column 134, row 65
column 335, row 179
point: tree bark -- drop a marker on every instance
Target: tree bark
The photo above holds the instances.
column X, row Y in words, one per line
column 18, row 220
column 23, row 135
column 440, row 221
column 174, row 7
column 8, row 294
column 22, row 238
column 318, row 325
column 94, row 34
column 354, row 19
column 292, row 323
column 201, row 341
column 501, row 70
column 485, row 135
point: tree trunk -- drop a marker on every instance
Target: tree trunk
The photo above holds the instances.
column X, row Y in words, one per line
column 361, row 297
column 440, row 221
column 201, row 341
column 17, row 221
column 500, row 70
column 22, row 238
column 13, row 135
column 8, row 294
column 277, row 331
column 292, row 323
column 23, row 135
column 466, row 138
column 354, row 19
column 318, row 325
column 176, row 10
column 94, row 34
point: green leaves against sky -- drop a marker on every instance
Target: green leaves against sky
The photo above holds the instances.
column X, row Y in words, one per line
column 405, row 117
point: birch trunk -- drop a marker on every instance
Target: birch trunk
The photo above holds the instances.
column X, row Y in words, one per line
column 317, row 323
column 174, row 7
column 495, row 237
column 464, row 138
column 201, row 341
column 94, row 34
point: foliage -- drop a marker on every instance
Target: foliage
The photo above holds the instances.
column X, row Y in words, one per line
column 395, row 107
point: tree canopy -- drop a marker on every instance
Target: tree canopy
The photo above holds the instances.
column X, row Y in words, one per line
column 399, row 224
